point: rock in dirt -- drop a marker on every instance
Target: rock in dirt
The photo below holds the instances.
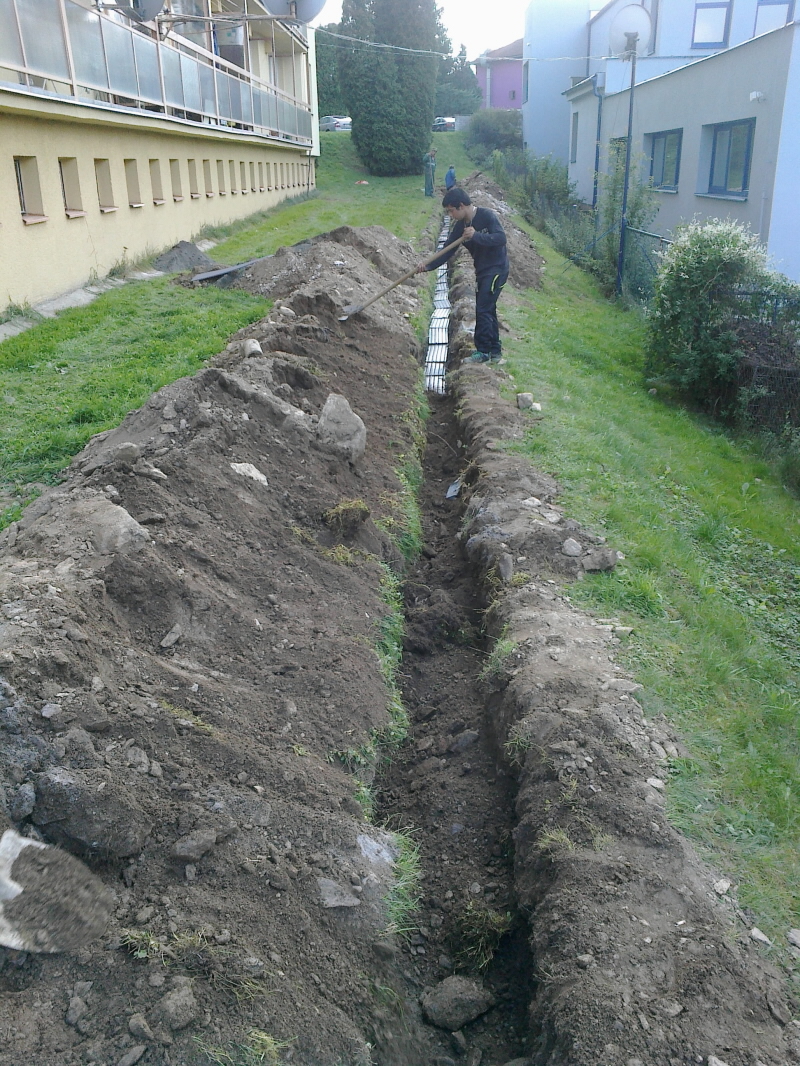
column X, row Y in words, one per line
column 109, row 528
column 332, row 894
column 177, row 1008
column 137, row 1026
column 599, row 560
column 130, row 1058
column 74, row 810
column 524, row 400
column 75, row 1011
column 456, row 1002
column 22, row 802
column 194, row 845
column 463, row 740
column 714, row 1061
column 571, row 547
column 340, row 430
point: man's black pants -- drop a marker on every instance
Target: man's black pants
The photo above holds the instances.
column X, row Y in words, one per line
column 487, row 331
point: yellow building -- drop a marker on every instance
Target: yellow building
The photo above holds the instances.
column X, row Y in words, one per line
column 119, row 136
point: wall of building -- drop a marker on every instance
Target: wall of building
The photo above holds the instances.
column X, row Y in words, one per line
column 551, row 30
column 43, row 259
column 505, row 82
column 694, row 99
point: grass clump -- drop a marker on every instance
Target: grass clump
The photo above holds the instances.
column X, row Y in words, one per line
column 498, row 659
column 403, row 898
column 143, row 944
column 347, row 517
column 257, row 1049
column 480, row 930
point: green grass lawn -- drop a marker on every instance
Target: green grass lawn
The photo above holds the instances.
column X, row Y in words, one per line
column 399, row 204
column 710, row 582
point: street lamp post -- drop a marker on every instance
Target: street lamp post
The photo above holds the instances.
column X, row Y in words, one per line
column 632, row 40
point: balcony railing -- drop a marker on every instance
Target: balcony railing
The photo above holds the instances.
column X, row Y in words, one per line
column 66, row 50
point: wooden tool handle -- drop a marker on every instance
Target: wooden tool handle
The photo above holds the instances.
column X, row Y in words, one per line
column 412, row 272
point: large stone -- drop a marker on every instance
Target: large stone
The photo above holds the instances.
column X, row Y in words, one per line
column 332, row 894
column 340, row 430
column 177, row 1008
column 601, row 559
column 456, row 1002
column 91, row 811
column 194, row 845
column 110, row 528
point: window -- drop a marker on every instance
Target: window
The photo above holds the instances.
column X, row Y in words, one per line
column 261, row 177
column 31, row 207
column 105, row 194
column 525, row 67
column 269, row 176
column 194, row 189
column 512, row 95
column 573, row 142
column 207, row 180
column 711, row 22
column 243, row 178
column 665, row 159
column 232, row 170
column 221, row 177
column 155, row 182
column 132, row 182
column 731, row 152
column 772, row 14
column 252, row 177
column 71, row 188
column 175, row 180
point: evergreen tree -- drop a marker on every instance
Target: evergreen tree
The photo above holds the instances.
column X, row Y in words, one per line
column 457, row 89
column 329, row 91
column 390, row 94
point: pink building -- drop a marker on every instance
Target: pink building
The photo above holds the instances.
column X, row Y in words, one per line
column 499, row 74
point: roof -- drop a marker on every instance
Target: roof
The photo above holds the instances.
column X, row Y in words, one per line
column 508, row 51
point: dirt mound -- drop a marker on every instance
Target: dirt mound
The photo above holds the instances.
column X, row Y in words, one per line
column 387, row 253
column 187, row 643
column 183, row 256
column 526, row 263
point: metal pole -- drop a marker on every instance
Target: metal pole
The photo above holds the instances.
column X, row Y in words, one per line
column 632, row 39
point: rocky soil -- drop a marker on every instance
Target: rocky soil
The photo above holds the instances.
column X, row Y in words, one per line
column 197, row 668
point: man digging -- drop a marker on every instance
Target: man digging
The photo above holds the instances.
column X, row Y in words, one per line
column 486, row 243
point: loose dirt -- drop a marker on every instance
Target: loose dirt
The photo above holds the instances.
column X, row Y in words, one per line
column 195, row 655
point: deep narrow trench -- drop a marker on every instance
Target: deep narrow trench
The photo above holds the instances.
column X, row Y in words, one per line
column 446, row 782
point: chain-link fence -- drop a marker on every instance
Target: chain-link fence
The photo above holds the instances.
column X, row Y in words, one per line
column 643, row 251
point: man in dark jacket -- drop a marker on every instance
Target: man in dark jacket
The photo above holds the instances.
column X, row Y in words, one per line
column 486, row 243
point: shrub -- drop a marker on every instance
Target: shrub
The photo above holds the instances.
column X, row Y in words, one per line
column 493, row 129
column 691, row 343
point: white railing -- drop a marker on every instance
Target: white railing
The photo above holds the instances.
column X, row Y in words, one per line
column 64, row 49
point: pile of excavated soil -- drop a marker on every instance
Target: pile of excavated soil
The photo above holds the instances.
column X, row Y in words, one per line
column 186, row 644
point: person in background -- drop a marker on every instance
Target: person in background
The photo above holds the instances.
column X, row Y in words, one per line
column 486, row 243
column 450, row 177
column 429, row 167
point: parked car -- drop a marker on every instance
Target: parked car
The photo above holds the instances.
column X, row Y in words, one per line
column 331, row 123
column 443, row 123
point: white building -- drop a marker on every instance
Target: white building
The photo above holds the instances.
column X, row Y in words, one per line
column 716, row 105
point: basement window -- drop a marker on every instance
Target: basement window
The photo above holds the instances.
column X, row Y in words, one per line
column 252, row 177
column 221, row 177
column 207, row 181
column 70, row 188
column 29, row 189
column 232, row 172
column 155, row 182
column 194, row 190
column 105, row 193
column 132, row 183
column 260, row 177
column 243, row 178
column 175, row 179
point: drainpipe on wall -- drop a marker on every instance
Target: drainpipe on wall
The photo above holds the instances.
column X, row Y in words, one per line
column 599, row 96
column 488, row 83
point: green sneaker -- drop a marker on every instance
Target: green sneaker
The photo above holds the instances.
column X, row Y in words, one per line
column 495, row 357
column 478, row 357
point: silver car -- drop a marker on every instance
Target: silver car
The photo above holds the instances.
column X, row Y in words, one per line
column 331, row 123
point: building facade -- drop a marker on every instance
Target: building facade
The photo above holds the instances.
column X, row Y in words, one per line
column 499, row 75
column 119, row 137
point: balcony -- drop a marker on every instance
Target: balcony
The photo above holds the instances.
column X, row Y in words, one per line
column 61, row 49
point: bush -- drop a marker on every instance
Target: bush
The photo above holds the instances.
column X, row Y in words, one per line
column 692, row 343
column 493, row 129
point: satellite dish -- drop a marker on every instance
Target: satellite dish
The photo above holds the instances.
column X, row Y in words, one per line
column 295, row 10
column 631, row 19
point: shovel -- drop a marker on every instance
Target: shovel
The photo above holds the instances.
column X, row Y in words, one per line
column 49, row 901
column 353, row 309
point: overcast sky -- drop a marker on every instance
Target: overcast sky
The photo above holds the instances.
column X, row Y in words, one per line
column 481, row 26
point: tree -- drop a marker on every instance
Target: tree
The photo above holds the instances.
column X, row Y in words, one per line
column 329, row 91
column 457, row 89
column 390, row 93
